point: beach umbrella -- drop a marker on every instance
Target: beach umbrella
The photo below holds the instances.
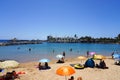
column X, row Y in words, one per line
column 82, row 58
column 116, row 56
column 99, row 57
column 59, row 56
column 92, row 53
column 44, row 60
column 9, row 64
column 65, row 71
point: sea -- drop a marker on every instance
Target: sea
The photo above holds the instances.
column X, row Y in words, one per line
column 21, row 53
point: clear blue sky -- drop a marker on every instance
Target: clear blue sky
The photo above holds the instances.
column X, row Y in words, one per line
column 36, row 19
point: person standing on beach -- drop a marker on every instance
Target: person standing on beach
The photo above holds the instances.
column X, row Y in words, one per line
column 64, row 54
column 112, row 54
column 87, row 53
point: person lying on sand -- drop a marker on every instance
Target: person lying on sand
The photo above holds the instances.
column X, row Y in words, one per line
column 102, row 65
column 11, row 76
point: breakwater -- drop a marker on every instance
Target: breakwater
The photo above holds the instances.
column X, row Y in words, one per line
column 20, row 42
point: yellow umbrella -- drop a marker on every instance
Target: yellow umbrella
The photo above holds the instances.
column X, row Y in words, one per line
column 82, row 58
column 99, row 57
column 65, row 71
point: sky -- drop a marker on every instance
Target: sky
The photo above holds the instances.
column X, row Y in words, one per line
column 36, row 19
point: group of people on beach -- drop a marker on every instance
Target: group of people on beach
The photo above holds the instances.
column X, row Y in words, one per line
column 10, row 76
column 62, row 60
column 45, row 66
column 72, row 78
column 102, row 64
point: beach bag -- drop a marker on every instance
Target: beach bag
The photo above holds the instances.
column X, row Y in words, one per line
column 90, row 63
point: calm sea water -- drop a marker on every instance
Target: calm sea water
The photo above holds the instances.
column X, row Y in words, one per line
column 21, row 53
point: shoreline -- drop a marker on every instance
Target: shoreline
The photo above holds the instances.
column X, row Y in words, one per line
column 34, row 52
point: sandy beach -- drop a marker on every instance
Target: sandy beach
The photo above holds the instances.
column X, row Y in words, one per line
column 33, row 73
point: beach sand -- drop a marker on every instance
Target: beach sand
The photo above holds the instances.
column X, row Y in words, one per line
column 33, row 73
